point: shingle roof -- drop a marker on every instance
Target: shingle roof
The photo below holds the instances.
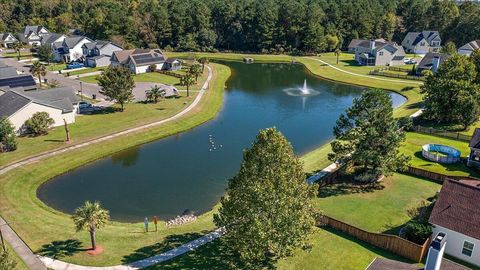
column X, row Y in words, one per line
column 3, row 36
column 457, row 208
column 146, row 57
column 11, row 102
column 122, row 56
column 49, row 39
column 475, row 140
column 22, row 80
column 60, row 98
column 427, row 35
column 71, row 42
column 32, row 28
column 427, row 60
column 471, row 46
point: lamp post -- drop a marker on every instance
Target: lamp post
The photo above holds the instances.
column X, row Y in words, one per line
column 81, row 91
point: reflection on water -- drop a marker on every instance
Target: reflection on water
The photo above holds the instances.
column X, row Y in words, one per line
column 190, row 170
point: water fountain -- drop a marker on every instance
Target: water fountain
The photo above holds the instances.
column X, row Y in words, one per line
column 304, row 91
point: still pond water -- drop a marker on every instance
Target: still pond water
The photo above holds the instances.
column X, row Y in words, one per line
column 184, row 171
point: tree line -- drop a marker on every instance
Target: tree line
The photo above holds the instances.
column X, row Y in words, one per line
column 268, row 26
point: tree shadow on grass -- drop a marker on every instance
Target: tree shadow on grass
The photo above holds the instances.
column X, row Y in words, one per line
column 215, row 255
column 376, row 250
column 61, row 248
column 345, row 188
column 170, row 242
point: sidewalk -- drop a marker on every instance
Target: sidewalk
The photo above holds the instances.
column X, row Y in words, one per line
column 31, row 260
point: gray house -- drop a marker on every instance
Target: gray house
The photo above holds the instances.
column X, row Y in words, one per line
column 50, row 38
column 7, row 40
column 431, row 61
column 355, row 42
column 377, row 53
column 99, row 52
column 474, row 157
column 422, row 42
column 468, row 48
column 32, row 34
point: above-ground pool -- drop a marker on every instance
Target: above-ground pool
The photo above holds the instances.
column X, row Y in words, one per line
column 441, row 153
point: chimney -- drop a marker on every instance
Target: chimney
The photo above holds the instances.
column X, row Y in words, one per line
column 435, row 64
column 435, row 252
column 372, row 45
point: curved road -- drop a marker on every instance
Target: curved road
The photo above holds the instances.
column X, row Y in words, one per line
column 33, row 261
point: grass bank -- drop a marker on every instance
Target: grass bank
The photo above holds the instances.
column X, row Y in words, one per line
column 51, row 233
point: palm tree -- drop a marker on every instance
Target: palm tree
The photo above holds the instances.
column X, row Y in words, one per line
column 155, row 93
column 38, row 69
column 196, row 70
column 17, row 46
column 203, row 61
column 337, row 53
column 187, row 80
column 90, row 216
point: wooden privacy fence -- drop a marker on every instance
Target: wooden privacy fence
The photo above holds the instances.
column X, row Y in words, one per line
column 442, row 133
column 392, row 243
column 437, row 177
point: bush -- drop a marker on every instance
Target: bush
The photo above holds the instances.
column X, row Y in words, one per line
column 418, row 231
column 7, row 136
column 406, row 123
column 39, row 123
column 152, row 68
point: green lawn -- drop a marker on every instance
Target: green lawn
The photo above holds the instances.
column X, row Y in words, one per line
column 329, row 249
column 376, row 208
column 90, row 79
column 20, row 263
column 48, row 231
column 317, row 159
column 56, row 66
column 23, row 55
column 413, row 147
column 157, row 78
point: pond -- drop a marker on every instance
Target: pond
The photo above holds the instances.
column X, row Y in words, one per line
column 190, row 170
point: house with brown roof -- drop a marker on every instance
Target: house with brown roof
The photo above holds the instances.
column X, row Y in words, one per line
column 457, row 215
column 139, row 60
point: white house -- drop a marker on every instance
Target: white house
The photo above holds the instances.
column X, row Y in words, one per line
column 378, row 53
column 18, row 105
column 32, row 34
column 457, row 215
column 422, row 42
column 468, row 48
column 139, row 60
column 70, row 49
column 7, row 40
column 99, row 53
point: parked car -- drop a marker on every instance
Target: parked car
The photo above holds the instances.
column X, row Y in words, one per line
column 84, row 105
column 74, row 65
column 409, row 61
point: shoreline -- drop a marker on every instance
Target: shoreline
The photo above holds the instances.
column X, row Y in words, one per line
column 174, row 130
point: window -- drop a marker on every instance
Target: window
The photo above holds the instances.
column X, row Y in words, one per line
column 422, row 44
column 380, row 53
column 467, row 248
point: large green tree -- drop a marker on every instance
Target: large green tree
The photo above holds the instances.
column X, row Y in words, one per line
column 90, row 217
column 451, row 96
column 45, row 53
column 268, row 209
column 367, row 136
column 117, row 83
column 7, row 136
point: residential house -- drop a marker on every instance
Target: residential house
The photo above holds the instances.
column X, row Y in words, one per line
column 70, row 49
column 422, row 42
column 51, row 38
column 172, row 64
column 32, row 34
column 468, row 48
column 431, row 61
column 474, row 157
column 9, row 78
column 99, row 53
column 7, row 40
column 139, row 60
column 456, row 214
column 355, row 42
column 18, row 105
column 376, row 53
